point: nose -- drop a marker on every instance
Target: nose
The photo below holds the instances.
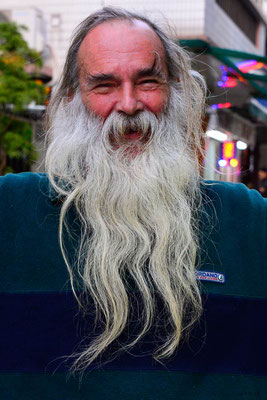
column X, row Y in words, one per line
column 128, row 101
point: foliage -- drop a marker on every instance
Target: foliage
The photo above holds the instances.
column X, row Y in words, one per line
column 17, row 139
column 17, row 89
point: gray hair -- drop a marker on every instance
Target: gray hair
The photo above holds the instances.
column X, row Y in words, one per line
column 177, row 60
column 155, row 240
column 70, row 72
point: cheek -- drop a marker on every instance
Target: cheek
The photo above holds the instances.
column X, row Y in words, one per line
column 155, row 101
column 99, row 105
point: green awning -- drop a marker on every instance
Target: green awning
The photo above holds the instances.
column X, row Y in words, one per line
column 247, row 67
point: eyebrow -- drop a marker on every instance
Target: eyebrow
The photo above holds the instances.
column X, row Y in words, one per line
column 154, row 70
column 91, row 79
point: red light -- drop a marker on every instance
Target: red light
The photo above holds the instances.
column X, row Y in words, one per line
column 224, row 105
column 252, row 67
column 231, row 82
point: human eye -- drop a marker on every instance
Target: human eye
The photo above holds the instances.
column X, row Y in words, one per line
column 149, row 83
column 103, row 88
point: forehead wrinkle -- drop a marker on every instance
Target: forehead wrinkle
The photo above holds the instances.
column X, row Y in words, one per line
column 90, row 40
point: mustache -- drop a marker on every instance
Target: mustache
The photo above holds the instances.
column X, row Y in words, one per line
column 117, row 124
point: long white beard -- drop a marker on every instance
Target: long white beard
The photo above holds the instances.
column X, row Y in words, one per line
column 139, row 202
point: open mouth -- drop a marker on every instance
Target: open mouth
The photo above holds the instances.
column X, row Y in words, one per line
column 133, row 135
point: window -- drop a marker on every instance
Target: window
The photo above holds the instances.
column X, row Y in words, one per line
column 241, row 16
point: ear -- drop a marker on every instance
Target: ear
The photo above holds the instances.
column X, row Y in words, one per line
column 70, row 94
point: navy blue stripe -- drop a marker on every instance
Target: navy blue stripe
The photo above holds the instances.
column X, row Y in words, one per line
column 38, row 329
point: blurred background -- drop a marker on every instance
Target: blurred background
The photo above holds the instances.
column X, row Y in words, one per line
column 227, row 39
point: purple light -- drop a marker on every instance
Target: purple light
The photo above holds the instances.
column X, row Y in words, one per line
column 220, row 83
column 248, row 63
column 214, row 106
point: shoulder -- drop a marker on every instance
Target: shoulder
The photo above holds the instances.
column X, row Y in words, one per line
column 29, row 235
column 19, row 181
column 228, row 188
column 237, row 208
column 23, row 194
column 234, row 196
column 235, row 229
column 22, row 187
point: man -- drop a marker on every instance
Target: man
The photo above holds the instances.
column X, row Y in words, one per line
column 165, row 268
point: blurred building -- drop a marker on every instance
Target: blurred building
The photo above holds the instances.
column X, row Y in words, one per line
column 230, row 47
column 258, row 3
column 228, row 38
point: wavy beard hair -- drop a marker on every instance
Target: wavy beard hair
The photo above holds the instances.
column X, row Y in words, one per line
column 138, row 208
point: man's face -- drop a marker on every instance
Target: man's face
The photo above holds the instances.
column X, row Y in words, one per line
column 122, row 68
